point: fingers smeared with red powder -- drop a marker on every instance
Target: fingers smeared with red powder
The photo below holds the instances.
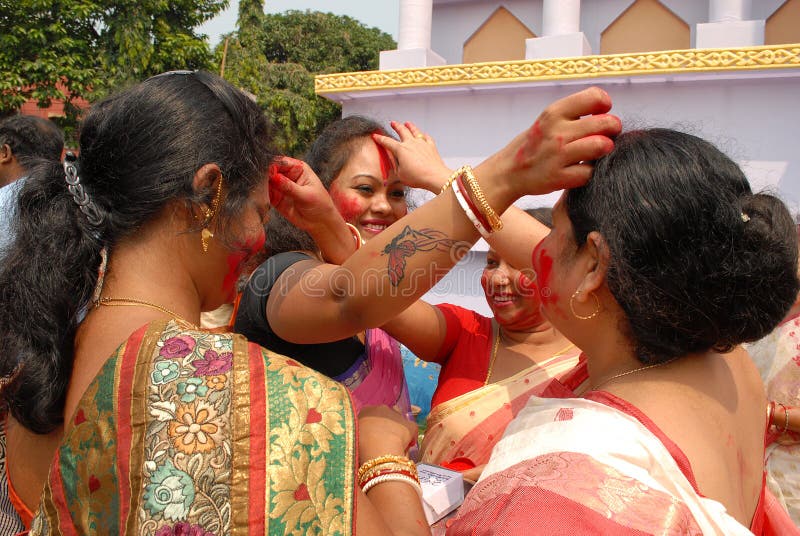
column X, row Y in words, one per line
column 283, row 169
column 236, row 260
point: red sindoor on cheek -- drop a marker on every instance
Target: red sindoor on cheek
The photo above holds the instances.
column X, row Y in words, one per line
column 526, row 285
column 349, row 206
column 236, row 260
column 543, row 263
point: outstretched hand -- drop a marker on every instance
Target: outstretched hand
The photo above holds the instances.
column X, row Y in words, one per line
column 297, row 193
column 553, row 154
column 417, row 160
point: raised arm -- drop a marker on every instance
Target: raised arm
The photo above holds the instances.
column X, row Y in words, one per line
column 423, row 165
column 397, row 266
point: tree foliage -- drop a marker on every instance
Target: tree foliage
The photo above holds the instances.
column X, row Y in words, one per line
column 67, row 49
column 276, row 56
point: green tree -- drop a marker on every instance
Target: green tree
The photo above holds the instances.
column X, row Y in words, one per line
column 276, row 56
column 67, row 49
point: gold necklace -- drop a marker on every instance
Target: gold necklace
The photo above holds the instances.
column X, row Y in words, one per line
column 620, row 375
column 131, row 302
column 497, row 345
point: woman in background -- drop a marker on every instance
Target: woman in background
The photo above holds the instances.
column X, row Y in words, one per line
column 490, row 365
column 370, row 197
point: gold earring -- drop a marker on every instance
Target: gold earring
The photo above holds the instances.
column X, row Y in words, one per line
column 594, row 314
column 206, row 235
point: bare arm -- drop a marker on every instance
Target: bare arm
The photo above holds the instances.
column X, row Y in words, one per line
column 421, row 327
column 426, row 169
column 396, row 267
column 389, row 507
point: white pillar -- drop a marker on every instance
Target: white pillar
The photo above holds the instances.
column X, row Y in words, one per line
column 728, row 10
column 413, row 39
column 561, row 17
column 561, row 32
column 729, row 25
column 415, row 24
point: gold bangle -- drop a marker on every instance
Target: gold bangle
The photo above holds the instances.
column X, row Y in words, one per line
column 477, row 194
column 450, row 180
column 388, row 458
column 387, row 467
column 356, row 235
column 786, row 419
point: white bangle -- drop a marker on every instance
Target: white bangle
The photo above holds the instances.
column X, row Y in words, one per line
column 393, row 477
column 468, row 211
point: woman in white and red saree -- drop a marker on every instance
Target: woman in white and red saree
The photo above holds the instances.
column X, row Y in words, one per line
column 657, row 268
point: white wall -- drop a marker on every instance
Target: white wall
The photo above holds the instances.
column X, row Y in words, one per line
column 754, row 118
column 454, row 21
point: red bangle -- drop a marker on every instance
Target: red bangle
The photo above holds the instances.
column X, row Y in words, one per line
column 363, row 483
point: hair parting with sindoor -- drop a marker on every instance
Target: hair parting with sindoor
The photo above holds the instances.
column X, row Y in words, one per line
column 697, row 260
column 139, row 151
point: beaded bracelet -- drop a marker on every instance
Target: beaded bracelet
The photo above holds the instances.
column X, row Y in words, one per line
column 394, row 477
column 387, row 458
column 475, row 189
column 468, row 211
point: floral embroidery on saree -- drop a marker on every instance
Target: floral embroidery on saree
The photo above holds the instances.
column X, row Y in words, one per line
column 224, row 437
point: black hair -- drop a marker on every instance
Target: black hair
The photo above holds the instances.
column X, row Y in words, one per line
column 543, row 215
column 329, row 153
column 139, row 151
column 31, row 138
column 697, row 261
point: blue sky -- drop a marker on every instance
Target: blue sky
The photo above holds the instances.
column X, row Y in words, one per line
column 383, row 14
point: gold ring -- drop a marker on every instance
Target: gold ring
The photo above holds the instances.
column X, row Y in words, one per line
column 420, row 136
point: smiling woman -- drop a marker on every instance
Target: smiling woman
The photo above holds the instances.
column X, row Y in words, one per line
column 490, row 366
column 369, row 197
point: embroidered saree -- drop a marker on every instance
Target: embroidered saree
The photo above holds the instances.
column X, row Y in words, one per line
column 462, row 431
column 777, row 357
column 580, row 466
column 190, row 432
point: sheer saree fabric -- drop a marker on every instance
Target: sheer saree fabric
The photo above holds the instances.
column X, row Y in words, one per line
column 777, row 357
column 578, row 466
column 190, row 432
column 378, row 379
column 466, row 428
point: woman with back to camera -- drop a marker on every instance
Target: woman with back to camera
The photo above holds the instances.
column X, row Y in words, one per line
column 370, row 197
column 658, row 269
column 169, row 429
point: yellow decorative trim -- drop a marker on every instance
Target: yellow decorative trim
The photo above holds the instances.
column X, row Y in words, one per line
column 665, row 62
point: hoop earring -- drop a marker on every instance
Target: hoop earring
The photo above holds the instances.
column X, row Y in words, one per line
column 580, row 317
column 206, row 235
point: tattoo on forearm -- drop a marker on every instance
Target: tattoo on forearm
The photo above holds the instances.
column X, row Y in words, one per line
column 407, row 243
